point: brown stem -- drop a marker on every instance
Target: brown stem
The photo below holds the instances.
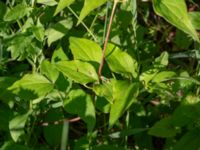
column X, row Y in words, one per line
column 60, row 121
column 106, row 39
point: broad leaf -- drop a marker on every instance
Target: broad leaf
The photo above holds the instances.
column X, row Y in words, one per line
column 5, row 116
column 104, row 90
column 53, row 133
column 175, row 12
column 62, row 4
column 80, row 103
column 190, row 140
column 47, row 2
column 89, row 5
column 85, row 50
column 164, row 129
column 81, row 72
column 58, row 55
column 17, row 12
column 195, row 19
column 10, row 145
column 120, row 61
column 124, row 94
column 161, row 76
column 49, row 70
column 162, row 60
column 58, row 30
column 5, row 94
column 34, row 83
column 16, row 126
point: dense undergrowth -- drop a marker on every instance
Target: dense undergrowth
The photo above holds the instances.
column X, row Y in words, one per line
column 54, row 95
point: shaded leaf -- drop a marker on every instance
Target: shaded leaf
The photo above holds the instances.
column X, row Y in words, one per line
column 84, row 49
column 81, row 72
column 190, row 140
column 52, row 132
column 175, row 12
column 120, row 61
column 80, row 103
column 10, row 145
column 164, row 129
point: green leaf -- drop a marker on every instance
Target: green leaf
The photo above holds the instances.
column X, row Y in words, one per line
column 161, row 76
column 80, row 103
column 124, row 94
column 107, row 147
column 3, row 10
column 81, row 72
column 84, row 49
column 16, row 126
column 5, row 94
column 89, row 5
column 34, row 83
column 162, row 60
column 104, row 90
column 53, row 132
column 190, row 140
column 17, row 12
column 10, row 145
column 163, row 129
column 62, row 4
column 175, row 12
column 58, row 55
column 49, row 70
column 19, row 49
column 195, row 19
column 58, row 30
column 5, row 116
column 120, row 61
column 47, row 2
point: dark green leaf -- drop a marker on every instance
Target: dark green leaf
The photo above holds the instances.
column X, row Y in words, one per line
column 80, row 103
column 164, row 129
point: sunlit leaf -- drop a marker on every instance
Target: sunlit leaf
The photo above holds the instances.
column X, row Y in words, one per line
column 120, row 61
column 84, row 49
column 124, row 94
column 89, row 5
column 175, row 12
column 62, row 4
column 81, row 72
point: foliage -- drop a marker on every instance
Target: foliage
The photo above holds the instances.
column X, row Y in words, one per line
column 53, row 97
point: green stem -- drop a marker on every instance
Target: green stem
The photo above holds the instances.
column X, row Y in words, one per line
column 85, row 26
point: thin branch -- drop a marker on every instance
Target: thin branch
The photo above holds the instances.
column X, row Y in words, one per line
column 60, row 121
column 107, row 37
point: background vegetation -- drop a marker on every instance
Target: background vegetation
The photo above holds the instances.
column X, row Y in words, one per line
column 54, row 95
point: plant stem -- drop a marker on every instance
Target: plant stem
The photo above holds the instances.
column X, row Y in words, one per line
column 85, row 26
column 106, row 39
